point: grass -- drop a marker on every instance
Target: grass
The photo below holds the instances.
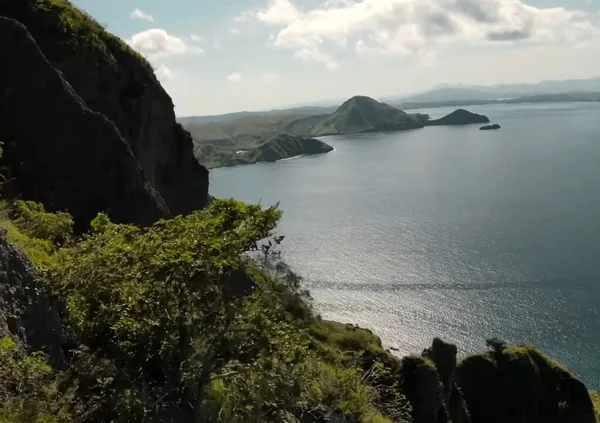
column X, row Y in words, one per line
column 39, row 251
column 596, row 401
column 82, row 32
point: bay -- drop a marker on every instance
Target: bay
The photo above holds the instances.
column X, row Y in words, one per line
column 451, row 232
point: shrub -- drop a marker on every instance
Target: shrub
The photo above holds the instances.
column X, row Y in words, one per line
column 28, row 389
column 33, row 220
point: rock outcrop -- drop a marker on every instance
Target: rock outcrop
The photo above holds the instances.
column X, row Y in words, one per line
column 430, row 385
column 118, row 83
column 27, row 313
column 459, row 117
column 520, row 384
column 59, row 151
column 517, row 384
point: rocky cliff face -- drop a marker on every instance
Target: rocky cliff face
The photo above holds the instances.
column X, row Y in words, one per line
column 115, row 81
column 27, row 313
column 517, row 384
column 59, row 151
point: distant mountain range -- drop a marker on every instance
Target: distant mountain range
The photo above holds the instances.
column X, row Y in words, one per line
column 448, row 93
column 442, row 96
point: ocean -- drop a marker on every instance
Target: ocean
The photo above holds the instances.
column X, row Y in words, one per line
column 450, row 232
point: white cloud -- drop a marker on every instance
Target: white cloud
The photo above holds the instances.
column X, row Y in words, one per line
column 317, row 56
column 234, row 31
column 141, row 15
column 279, row 12
column 234, row 77
column 157, row 42
column 163, row 73
column 196, row 38
column 417, row 26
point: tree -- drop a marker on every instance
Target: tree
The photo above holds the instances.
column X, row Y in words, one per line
column 164, row 302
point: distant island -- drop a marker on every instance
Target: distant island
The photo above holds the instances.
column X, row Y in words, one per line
column 490, row 127
column 270, row 138
column 459, row 117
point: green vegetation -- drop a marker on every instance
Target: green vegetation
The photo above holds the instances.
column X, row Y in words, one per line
column 277, row 147
column 28, row 392
column 596, row 401
column 79, row 31
column 189, row 318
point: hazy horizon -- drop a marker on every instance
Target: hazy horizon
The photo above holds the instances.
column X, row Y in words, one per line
column 219, row 57
column 337, row 102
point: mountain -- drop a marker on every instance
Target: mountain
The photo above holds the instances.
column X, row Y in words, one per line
column 103, row 115
column 459, row 117
column 363, row 114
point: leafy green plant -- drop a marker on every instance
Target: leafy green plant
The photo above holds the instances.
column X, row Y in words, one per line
column 164, row 301
column 33, row 220
column 28, row 388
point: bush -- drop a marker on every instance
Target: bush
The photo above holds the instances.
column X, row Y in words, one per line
column 28, row 389
column 33, row 220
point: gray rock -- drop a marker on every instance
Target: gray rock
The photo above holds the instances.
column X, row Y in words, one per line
column 27, row 312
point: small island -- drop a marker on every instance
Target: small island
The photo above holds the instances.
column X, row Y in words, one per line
column 490, row 127
column 459, row 117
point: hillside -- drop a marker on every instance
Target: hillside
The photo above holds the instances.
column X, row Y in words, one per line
column 363, row 114
column 278, row 147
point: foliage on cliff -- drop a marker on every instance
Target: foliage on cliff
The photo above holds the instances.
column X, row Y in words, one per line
column 79, row 31
column 179, row 322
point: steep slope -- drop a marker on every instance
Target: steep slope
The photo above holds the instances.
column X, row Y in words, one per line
column 114, row 80
column 59, row 151
column 27, row 313
column 363, row 114
column 285, row 146
column 459, row 117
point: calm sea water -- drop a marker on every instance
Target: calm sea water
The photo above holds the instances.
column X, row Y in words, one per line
column 451, row 232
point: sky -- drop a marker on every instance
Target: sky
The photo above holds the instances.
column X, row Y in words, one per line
column 220, row 56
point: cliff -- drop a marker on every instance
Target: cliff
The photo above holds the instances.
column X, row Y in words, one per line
column 459, row 117
column 57, row 150
column 509, row 384
column 111, row 79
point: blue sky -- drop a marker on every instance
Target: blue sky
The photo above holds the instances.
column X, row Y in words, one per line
column 217, row 56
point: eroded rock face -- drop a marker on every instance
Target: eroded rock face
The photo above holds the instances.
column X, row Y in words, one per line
column 520, row 384
column 115, row 81
column 27, row 313
column 430, row 385
column 60, row 152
